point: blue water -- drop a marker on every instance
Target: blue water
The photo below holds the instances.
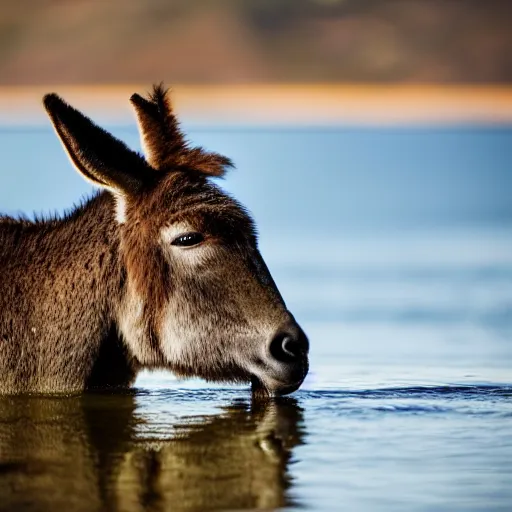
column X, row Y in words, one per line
column 393, row 247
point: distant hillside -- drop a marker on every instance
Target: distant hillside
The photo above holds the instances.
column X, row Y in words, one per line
column 240, row 41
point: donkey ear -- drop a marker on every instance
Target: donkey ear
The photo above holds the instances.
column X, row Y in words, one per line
column 164, row 143
column 161, row 137
column 98, row 156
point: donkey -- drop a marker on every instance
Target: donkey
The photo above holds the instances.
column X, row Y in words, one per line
column 159, row 270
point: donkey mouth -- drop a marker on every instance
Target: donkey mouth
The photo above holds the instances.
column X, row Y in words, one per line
column 279, row 376
column 272, row 388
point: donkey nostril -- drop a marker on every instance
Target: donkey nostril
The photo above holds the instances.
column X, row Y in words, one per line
column 291, row 347
column 285, row 348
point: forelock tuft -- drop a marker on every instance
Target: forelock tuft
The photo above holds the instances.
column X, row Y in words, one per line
column 165, row 143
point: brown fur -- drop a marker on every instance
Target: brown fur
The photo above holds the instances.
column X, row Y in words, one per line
column 86, row 301
column 54, row 309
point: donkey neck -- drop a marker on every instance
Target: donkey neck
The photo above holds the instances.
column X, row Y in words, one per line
column 62, row 280
column 81, row 251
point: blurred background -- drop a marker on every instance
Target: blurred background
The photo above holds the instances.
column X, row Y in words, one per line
column 372, row 141
column 373, row 144
column 247, row 41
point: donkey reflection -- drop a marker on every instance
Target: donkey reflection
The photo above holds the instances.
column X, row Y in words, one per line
column 89, row 453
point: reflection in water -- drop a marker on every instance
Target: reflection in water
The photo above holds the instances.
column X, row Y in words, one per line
column 99, row 452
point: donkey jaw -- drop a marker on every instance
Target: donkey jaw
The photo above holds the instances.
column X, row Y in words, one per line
column 272, row 387
column 278, row 383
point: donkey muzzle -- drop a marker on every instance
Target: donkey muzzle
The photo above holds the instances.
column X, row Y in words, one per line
column 286, row 363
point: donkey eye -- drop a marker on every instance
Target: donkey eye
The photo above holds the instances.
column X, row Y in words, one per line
column 188, row 239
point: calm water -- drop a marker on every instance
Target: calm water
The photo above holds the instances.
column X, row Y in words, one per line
column 394, row 250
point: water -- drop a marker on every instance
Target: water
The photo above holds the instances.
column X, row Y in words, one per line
column 394, row 250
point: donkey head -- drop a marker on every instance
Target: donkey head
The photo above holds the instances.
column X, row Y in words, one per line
column 199, row 298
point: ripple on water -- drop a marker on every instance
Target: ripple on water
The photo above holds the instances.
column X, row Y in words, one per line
column 483, row 400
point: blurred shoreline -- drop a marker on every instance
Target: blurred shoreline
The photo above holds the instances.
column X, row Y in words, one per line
column 278, row 104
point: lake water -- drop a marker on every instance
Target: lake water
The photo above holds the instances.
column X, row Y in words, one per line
column 393, row 247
